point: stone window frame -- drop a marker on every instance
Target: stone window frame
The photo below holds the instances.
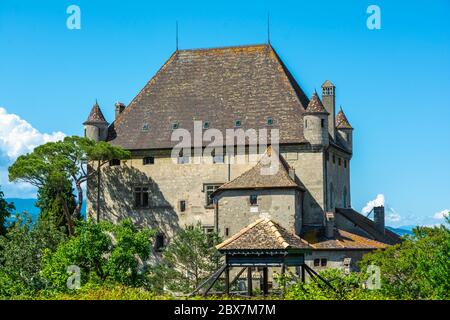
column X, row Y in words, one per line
column 142, row 190
column 269, row 121
column 160, row 241
column 148, row 160
column 182, row 205
column 208, row 189
column 253, row 200
column 114, row 162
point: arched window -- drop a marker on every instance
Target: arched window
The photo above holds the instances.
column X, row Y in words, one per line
column 345, row 197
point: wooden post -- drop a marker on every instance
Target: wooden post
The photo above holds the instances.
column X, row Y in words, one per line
column 249, row 282
column 227, row 280
column 303, row 273
column 265, row 281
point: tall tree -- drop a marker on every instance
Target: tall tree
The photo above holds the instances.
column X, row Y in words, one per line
column 54, row 162
column 6, row 210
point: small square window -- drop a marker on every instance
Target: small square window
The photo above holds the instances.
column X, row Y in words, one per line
column 175, row 125
column 148, row 160
column 323, row 262
column 206, row 125
column 237, row 123
column 269, row 121
column 145, row 127
column 316, row 262
column 114, row 162
column 253, row 199
column 182, row 205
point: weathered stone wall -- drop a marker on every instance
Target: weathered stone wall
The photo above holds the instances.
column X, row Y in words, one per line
column 335, row 259
column 235, row 211
column 337, row 179
column 171, row 182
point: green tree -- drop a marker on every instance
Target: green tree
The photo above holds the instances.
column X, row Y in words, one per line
column 21, row 251
column 6, row 210
column 104, row 253
column 51, row 199
column 189, row 258
column 418, row 268
column 56, row 162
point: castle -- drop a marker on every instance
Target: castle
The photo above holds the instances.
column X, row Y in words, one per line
column 246, row 87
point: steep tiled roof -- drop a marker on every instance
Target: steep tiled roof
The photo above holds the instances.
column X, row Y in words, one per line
column 368, row 226
column 263, row 234
column 341, row 121
column 256, row 177
column 222, row 85
column 96, row 115
column 341, row 240
column 315, row 105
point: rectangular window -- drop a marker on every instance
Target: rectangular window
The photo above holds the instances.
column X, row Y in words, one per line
column 182, row 205
column 316, row 262
column 206, row 125
column 323, row 262
column 114, row 162
column 345, row 163
column 209, row 189
column 227, row 232
column 253, row 199
column 269, row 121
column 141, row 197
column 322, row 123
column 159, row 242
column 339, row 161
column 148, row 160
column 334, row 158
column 237, row 123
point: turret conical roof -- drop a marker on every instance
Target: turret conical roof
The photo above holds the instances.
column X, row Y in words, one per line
column 341, row 121
column 96, row 115
column 315, row 105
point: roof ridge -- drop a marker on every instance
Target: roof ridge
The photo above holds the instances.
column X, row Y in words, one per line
column 279, row 237
column 225, row 47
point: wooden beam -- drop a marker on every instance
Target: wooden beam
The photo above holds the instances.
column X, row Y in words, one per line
column 302, row 268
column 237, row 277
column 214, row 275
column 265, row 281
column 311, row 271
column 227, row 280
column 249, row 282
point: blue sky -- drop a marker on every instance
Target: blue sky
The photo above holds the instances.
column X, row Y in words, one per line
column 393, row 83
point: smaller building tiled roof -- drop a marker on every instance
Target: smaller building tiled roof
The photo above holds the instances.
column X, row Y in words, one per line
column 341, row 240
column 96, row 115
column 368, row 226
column 341, row 121
column 255, row 178
column 315, row 105
column 263, row 234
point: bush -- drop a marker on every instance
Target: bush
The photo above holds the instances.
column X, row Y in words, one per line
column 105, row 253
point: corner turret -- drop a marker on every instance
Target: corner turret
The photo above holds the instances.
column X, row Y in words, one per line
column 344, row 129
column 96, row 127
column 315, row 122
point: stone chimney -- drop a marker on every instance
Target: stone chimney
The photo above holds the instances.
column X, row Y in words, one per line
column 329, row 227
column 119, row 108
column 378, row 218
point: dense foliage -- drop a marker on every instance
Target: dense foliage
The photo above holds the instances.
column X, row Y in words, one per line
column 52, row 164
column 189, row 259
column 21, row 252
column 6, row 209
column 105, row 253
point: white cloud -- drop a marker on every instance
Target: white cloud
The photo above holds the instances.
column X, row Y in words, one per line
column 378, row 201
column 18, row 137
column 441, row 214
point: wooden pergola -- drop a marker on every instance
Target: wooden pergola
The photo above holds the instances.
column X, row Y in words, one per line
column 263, row 244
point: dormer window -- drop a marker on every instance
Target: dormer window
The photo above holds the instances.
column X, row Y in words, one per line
column 175, row 125
column 237, row 123
column 206, row 125
column 145, row 127
column 269, row 121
